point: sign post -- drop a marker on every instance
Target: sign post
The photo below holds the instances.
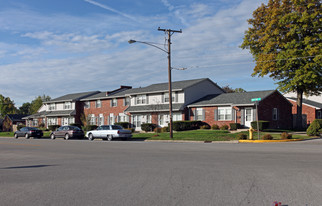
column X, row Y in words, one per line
column 256, row 100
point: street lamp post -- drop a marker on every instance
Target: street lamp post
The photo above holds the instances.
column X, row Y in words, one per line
column 169, row 32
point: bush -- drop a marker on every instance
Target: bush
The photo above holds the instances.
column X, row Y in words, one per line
column 20, row 126
column 53, row 127
column 234, row 126
column 148, row 127
column 157, row 130
column 206, row 126
column 214, row 127
column 285, row 135
column 131, row 129
column 314, row 128
column 187, row 125
column 165, row 129
column 262, row 125
column 224, row 127
column 123, row 124
column 267, row 137
column 89, row 127
column 41, row 125
column 242, row 136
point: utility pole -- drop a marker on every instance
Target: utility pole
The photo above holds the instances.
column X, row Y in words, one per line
column 170, row 32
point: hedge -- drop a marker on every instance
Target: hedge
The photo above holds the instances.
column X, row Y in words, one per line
column 234, row 126
column 148, row 127
column 123, row 124
column 53, row 127
column 314, row 128
column 187, row 125
column 262, row 125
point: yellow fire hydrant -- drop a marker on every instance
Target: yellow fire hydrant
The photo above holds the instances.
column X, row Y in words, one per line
column 251, row 131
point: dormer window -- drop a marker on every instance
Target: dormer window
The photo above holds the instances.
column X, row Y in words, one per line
column 67, row 105
column 141, row 99
column 52, row 107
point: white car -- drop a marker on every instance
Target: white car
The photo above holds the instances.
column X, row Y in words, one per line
column 109, row 132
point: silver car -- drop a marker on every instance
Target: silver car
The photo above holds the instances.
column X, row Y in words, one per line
column 109, row 132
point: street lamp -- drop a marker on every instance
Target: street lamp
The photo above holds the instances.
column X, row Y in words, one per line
column 169, row 32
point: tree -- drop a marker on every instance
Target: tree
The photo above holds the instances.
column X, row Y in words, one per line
column 228, row 89
column 37, row 103
column 285, row 41
column 7, row 106
column 25, row 108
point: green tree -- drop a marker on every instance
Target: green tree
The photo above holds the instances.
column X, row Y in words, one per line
column 37, row 103
column 285, row 41
column 7, row 106
column 228, row 89
column 25, row 108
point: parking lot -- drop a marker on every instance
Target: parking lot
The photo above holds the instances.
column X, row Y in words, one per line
column 82, row 172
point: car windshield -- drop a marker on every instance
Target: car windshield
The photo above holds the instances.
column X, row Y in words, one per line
column 114, row 127
column 105, row 127
column 74, row 128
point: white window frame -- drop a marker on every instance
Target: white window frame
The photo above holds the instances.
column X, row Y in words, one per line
column 87, row 105
column 52, row 121
column 67, row 105
column 167, row 99
column 225, row 114
column 199, row 114
column 98, row 103
column 126, row 101
column 52, row 107
column 92, row 119
column 141, row 99
column 100, row 119
column 114, row 102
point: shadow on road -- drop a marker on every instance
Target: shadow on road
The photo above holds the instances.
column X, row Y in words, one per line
column 26, row 166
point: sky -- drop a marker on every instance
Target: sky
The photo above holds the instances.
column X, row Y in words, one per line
column 60, row 47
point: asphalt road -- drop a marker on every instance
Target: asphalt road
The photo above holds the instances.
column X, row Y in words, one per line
column 79, row 172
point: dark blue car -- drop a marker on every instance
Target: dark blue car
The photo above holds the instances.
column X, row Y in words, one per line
column 28, row 132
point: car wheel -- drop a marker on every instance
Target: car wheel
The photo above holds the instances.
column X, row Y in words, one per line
column 109, row 137
column 27, row 136
column 66, row 136
column 52, row 136
column 91, row 137
column 16, row 136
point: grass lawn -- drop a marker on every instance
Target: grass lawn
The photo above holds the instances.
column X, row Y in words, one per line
column 206, row 135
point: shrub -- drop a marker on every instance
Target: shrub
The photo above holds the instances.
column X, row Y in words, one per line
column 262, row 125
column 314, row 128
column 224, row 127
column 267, row 137
column 131, row 129
column 157, row 130
column 41, row 125
column 53, row 127
column 206, row 126
column 214, row 127
column 123, row 124
column 165, row 129
column 285, row 135
column 148, row 127
column 90, row 127
column 234, row 126
column 187, row 125
column 242, row 136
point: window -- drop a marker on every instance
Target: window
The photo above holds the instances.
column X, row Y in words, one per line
column 52, row 106
column 52, row 121
column 166, row 97
column 275, row 114
column 100, row 119
column 200, row 114
column 177, row 117
column 224, row 113
column 98, row 103
column 92, row 119
column 87, row 105
column 137, row 120
column 71, row 120
column 67, row 105
column 114, row 103
column 123, row 117
column 126, row 101
column 319, row 115
column 35, row 122
column 141, row 99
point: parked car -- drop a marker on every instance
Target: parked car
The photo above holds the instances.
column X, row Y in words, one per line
column 109, row 132
column 28, row 132
column 68, row 132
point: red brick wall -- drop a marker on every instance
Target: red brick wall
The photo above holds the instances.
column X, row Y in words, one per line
column 309, row 111
column 265, row 111
column 106, row 108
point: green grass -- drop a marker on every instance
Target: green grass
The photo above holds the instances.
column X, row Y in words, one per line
column 6, row 134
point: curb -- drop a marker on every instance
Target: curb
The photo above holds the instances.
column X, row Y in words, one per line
column 187, row 141
column 270, row 141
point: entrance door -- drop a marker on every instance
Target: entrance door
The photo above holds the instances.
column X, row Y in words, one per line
column 248, row 116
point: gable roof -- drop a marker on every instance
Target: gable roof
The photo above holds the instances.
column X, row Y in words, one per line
column 16, row 117
column 311, row 103
column 243, row 98
column 72, row 97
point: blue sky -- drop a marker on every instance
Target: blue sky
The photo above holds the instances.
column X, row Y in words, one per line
column 61, row 47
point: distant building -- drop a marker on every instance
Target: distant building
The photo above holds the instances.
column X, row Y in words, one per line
column 11, row 121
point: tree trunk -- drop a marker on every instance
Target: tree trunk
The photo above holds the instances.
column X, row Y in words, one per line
column 299, row 122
